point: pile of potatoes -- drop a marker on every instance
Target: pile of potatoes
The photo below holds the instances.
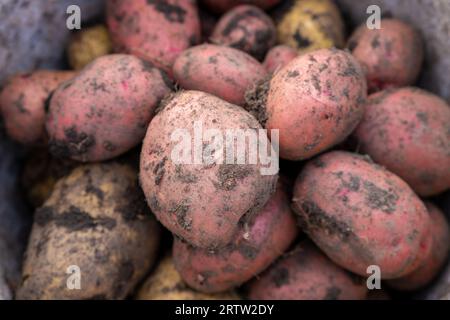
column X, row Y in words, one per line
column 364, row 153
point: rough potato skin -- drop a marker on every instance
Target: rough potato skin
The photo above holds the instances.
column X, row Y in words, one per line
column 435, row 261
column 222, row 71
column 309, row 25
column 23, row 102
column 96, row 219
column 165, row 283
column 221, row 6
column 407, row 130
column 246, row 28
column 305, row 273
column 261, row 239
column 360, row 214
column 391, row 56
column 105, row 110
column 202, row 202
column 87, row 45
column 324, row 91
column 278, row 57
column 154, row 30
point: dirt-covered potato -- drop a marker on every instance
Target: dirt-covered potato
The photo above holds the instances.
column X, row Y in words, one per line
column 105, row 110
column 424, row 274
column 246, row 28
column 165, row 283
column 23, row 101
column 360, row 214
column 154, row 30
column 87, row 45
column 306, row 273
column 407, row 130
column 391, row 56
column 199, row 195
column 222, row 71
column 261, row 240
column 221, row 6
column 279, row 56
column 95, row 225
column 310, row 25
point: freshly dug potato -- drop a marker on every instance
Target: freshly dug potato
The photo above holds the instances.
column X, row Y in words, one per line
column 95, row 219
column 360, row 214
column 260, row 240
column 23, row 102
column 324, row 91
column 311, row 25
column 408, row 131
column 391, row 56
column 105, row 110
column 165, row 283
column 278, row 57
column 220, row 6
column 305, row 273
column 222, row 71
column 87, row 45
column 154, row 30
column 435, row 261
column 246, row 28
column 198, row 198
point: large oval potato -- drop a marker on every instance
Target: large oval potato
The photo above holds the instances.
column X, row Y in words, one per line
column 154, row 30
column 197, row 196
column 305, row 273
column 105, row 110
column 222, row 71
column 23, row 101
column 360, row 214
column 95, row 225
column 261, row 239
column 408, row 131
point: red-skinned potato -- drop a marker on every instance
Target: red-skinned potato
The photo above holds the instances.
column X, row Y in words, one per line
column 222, row 71
column 324, row 91
column 105, row 110
column 305, row 273
column 154, row 30
column 360, row 214
column 439, row 253
column 221, row 6
column 391, row 56
column 200, row 200
column 23, row 100
column 278, row 57
column 261, row 239
column 408, row 131
column 246, row 28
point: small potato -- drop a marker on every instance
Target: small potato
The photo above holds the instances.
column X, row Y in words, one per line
column 105, row 110
column 435, row 261
column 261, row 239
column 87, row 45
column 198, row 198
column 95, row 222
column 222, row 71
column 324, row 91
column 278, row 57
column 246, row 28
column 23, row 102
column 221, row 6
column 165, row 283
column 310, row 25
column 154, row 30
column 306, row 274
column 408, row 131
column 391, row 56
column 360, row 214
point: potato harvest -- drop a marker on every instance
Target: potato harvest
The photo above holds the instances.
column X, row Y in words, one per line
column 225, row 150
